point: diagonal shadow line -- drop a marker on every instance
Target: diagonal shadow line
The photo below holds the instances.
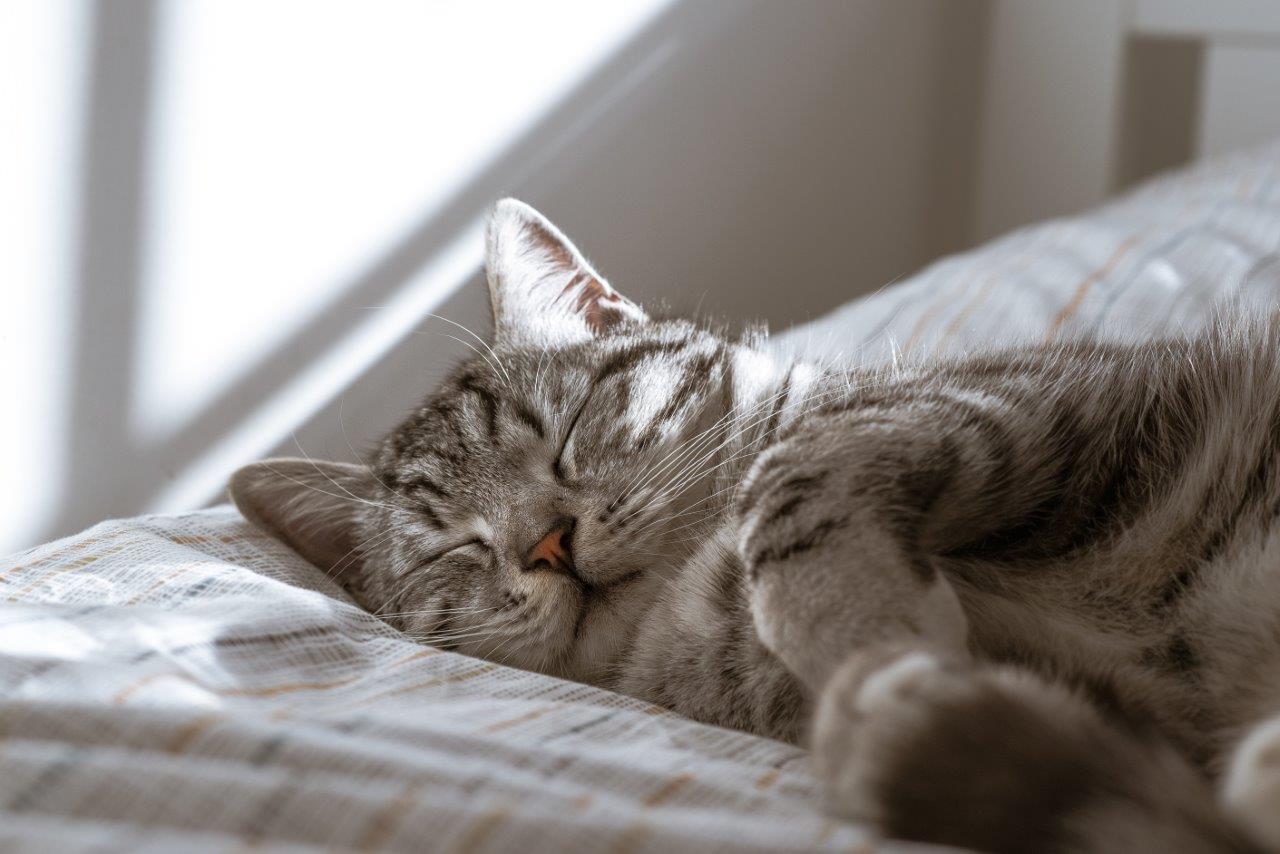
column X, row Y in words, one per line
column 380, row 280
column 113, row 155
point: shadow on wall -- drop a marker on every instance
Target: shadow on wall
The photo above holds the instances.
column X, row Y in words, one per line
column 737, row 157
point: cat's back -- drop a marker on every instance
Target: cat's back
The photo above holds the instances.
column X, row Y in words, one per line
column 1148, row 574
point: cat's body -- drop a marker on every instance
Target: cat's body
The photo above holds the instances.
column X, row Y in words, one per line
column 1032, row 597
column 1118, row 526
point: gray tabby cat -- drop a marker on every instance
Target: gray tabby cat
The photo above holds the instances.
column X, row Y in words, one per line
column 1021, row 601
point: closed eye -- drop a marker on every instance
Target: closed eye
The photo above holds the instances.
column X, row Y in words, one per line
column 557, row 466
column 474, row 542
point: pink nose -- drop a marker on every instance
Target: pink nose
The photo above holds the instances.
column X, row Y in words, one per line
column 553, row 551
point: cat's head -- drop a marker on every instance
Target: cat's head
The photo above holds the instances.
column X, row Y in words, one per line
column 528, row 509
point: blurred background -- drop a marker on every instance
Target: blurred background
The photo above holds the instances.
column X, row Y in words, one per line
column 225, row 227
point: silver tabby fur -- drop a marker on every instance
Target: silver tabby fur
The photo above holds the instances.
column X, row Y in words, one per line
column 1026, row 600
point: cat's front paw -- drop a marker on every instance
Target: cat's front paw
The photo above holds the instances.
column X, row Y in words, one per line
column 825, row 574
column 873, row 726
column 930, row 749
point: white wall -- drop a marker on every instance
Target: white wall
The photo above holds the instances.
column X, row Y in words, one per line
column 1051, row 97
column 232, row 220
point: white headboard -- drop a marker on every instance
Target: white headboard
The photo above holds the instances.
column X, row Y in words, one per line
column 1081, row 99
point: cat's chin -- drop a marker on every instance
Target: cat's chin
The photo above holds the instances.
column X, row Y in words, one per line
column 602, row 628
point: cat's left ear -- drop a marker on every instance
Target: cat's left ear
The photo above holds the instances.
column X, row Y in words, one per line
column 543, row 291
column 315, row 507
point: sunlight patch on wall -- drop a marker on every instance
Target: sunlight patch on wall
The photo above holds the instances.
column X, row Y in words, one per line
column 41, row 45
column 262, row 429
column 295, row 143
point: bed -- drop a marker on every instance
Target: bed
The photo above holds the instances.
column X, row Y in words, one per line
column 186, row 682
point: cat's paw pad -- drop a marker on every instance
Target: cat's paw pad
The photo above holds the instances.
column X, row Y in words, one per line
column 926, row 747
column 993, row 759
column 1251, row 790
column 902, row 681
column 874, row 706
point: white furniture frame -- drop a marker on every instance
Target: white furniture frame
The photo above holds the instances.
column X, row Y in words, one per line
column 1110, row 91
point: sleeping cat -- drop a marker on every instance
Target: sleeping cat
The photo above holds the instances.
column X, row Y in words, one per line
column 1026, row 600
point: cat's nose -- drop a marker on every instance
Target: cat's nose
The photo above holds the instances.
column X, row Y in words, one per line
column 554, row 550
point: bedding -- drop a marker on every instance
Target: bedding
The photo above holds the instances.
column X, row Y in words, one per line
column 188, row 683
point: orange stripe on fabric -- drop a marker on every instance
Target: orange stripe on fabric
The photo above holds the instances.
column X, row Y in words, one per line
column 1188, row 208
column 1082, row 289
column 963, row 314
column 56, row 556
column 287, row 688
column 226, row 539
column 922, row 322
column 78, row 563
column 383, row 823
column 825, row 832
column 189, row 733
column 636, row 833
column 933, row 309
column 133, row 687
column 428, row 683
column 294, row 687
column 270, row 691
column 668, row 790
column 283, row 714
column 1018, row 264
column 159, row 583
column 632, row 837
column 481, row 830
column 525, row 718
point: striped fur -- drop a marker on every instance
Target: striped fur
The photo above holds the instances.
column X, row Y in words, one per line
column 1024, row 600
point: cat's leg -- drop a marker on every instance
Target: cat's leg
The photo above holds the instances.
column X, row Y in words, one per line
column 996, row 759
column 836, row 528
column 1251, row 785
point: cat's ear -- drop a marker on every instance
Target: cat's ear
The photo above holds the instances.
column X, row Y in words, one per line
column 543, row 291
column 311, row 505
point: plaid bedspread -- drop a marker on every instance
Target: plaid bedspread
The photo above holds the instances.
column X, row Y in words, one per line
column 187, row 683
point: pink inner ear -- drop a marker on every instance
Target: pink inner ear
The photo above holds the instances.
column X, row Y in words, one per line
column 549, row 243
column 593, row 297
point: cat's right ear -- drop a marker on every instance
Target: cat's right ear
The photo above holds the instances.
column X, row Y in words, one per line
column 543, row 291
column 313, row 506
